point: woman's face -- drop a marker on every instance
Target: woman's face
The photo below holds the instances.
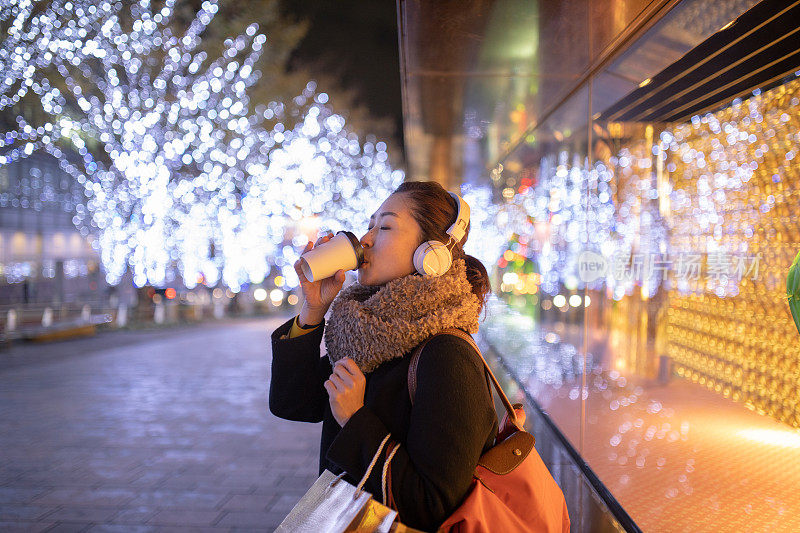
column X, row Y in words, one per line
column 390, row 242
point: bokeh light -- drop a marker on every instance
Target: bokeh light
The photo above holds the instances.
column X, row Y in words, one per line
column 184, row 178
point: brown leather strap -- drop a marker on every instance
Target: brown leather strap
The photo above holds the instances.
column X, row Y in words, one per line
column 412, row 372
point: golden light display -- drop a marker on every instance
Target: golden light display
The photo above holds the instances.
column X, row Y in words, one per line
column 739, row 172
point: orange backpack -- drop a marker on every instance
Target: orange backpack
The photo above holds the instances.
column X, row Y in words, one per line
column 512, row 490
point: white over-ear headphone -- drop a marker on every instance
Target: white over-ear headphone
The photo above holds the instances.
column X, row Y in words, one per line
column 433, row 258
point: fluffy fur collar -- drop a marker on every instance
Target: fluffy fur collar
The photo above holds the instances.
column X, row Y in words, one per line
column 373, row 324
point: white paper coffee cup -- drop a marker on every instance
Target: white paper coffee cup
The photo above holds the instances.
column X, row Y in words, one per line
column 342, row 252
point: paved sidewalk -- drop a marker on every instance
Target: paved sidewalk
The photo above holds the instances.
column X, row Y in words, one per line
column 167, row 432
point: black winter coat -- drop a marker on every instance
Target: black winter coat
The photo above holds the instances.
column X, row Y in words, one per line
column 442, row 436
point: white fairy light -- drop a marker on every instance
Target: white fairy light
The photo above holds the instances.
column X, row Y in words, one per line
column 181, row 176
column 486, row 240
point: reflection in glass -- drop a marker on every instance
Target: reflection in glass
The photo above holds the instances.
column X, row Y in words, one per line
column 695, row 226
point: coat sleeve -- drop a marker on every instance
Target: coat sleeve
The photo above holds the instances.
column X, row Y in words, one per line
column 296, row 390
column 452, row 419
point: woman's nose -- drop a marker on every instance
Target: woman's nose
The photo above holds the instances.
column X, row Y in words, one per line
column 366, row 240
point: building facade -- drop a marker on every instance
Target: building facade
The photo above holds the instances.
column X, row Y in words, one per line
column 44, row 258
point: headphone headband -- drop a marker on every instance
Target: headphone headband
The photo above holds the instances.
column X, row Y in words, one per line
column 459, row 227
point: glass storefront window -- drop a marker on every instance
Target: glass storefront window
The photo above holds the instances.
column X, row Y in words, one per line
column 639, row 223
column 641, row 300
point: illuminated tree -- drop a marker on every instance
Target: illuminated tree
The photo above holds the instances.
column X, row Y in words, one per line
column 183, row 175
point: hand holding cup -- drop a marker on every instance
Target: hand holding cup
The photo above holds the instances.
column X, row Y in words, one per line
column 318, row 294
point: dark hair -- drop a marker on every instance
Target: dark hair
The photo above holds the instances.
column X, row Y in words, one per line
column 435, row 211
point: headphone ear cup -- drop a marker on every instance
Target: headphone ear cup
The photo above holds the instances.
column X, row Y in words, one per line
column 432, row 258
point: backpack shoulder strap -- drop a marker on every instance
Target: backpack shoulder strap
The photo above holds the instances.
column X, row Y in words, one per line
column 414, row 364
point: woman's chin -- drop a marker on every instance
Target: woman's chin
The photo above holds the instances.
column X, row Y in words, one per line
column 365, row 279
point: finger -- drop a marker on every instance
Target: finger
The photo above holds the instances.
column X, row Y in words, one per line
column 335, row 385
column 299, row 271
column 342, row 362
column 347, row 380
column 324, row 238
column 350, row 366
column 341, row 368
column 330, row 388
column 342, row 381
column 336, row 379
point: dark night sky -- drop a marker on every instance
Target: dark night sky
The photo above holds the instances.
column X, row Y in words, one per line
column 355, row 41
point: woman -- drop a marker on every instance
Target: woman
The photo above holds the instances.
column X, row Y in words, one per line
column 360, row 390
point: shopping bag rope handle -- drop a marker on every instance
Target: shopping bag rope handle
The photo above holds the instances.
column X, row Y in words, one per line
column 384, row 487
column 360, row 487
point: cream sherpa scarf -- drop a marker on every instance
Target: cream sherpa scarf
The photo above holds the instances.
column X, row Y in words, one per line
column 373, row 324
